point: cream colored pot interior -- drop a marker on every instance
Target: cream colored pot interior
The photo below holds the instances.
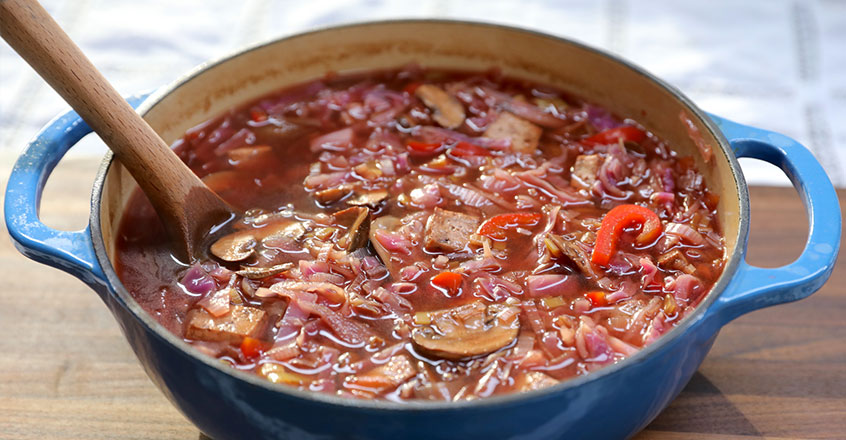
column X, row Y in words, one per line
column 534, row 57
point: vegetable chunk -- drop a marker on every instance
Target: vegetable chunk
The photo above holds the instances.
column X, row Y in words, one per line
column 584, row 170
column 385, row 377
column 239, row 323
column 524, row 135
column 449, row 112
column 449, row 231
column 468, row 331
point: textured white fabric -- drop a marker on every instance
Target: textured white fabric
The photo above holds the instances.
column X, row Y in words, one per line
column 775, row 64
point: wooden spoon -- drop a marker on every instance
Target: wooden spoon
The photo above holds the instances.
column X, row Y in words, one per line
column 188, row 209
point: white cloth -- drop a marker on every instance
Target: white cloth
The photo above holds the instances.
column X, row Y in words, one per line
column 779, row 65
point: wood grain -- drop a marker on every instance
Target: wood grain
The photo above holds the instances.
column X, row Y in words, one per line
column 67, row 373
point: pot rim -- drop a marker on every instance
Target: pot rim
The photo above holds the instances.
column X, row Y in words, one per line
column 120, row 294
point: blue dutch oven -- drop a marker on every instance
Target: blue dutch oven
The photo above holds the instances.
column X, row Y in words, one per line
column 614, row 402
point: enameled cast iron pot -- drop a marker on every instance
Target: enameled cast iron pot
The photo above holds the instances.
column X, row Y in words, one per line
column 614, row 402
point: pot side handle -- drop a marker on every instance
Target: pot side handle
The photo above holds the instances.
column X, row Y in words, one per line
column 755, row 287
column 70, row 251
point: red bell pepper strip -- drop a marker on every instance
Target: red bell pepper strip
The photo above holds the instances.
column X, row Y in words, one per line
column 251, row 347
column 466, row 149
column 424, row 148
column 611, row 136
column 258, row 115
column 597, row 298
column 411, row 87
column 496, row 226
column 449, row 281
column 611, row 228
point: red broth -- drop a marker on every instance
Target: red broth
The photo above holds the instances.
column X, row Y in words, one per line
column 424, row 234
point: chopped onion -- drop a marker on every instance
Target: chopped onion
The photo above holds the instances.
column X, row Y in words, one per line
column 687, row 233
column 551, row 285
column 197, row 281
column 335, row 141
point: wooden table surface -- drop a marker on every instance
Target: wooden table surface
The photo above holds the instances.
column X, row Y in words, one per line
column 67, row 373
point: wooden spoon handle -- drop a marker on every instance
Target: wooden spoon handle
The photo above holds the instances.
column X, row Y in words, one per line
column 171, row 186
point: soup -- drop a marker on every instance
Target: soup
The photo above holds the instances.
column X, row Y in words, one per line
column 428, row 234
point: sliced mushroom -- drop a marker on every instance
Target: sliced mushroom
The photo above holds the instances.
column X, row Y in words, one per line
column 385, row 223
column 449, row 112
column 357, row 222
column 371, row 199
column 259, row 218
column 332, row 195
column 468, row 331
column 368, row 170
column 676, row 260
column 571, row 250
column 237, row 246
column 255, row 273
column 281, row 232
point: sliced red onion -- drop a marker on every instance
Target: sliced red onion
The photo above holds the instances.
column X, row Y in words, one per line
column 600, row 118
column 386, row 165
column 539, row 286
column 687, row 288
column 278, row 105
column 524, row 345
column 330, row 292
column 373, row 268
column 685, row 232
column 221, row 274
column 627, row 290
column 242, row 138
column 309, row 268
column 197, row 281
column 494, row 288
column 523, row 109
column 325, row 180
column 694, row 135
column 480, row 264
column 331, row 278
column 609, row 174
column 592, row 342
column 663, row 198
column 531, row 179
column 621, row 346
column 392, row 301
column 382, row 137
column 403, row 288
column 426, row 197
column 410, row 273
column 335, row 141
column 432, row 134
column 500, row 181
column 284, row 352
column 657, row 327
column 216, row 303
column 648, row 271
column 347, row 330
column 393, row 241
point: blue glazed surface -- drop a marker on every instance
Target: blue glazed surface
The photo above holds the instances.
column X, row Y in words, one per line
column 230, row 405
column 70, row 251
column 756, row 287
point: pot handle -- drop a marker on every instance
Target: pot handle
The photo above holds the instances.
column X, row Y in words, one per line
column 754, row 287
column 71, row 251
